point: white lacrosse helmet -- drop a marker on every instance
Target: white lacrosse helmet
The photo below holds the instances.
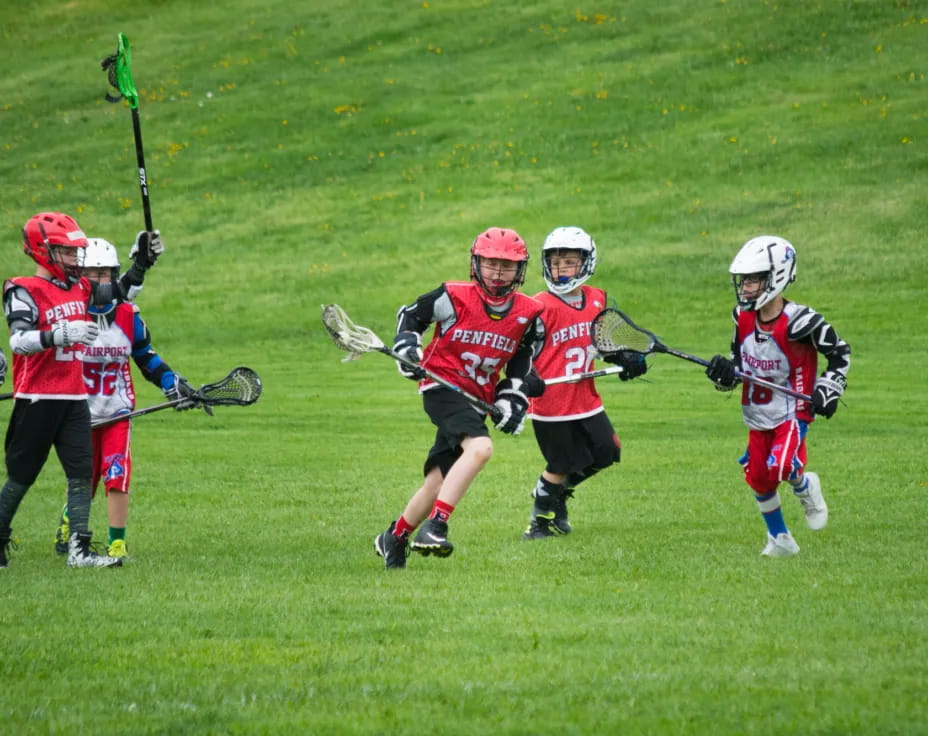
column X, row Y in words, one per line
column 568, row 238
column 765, row 254
column 101, row 253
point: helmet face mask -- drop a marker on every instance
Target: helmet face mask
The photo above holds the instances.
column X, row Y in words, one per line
column 575, row 240
column 489, row 255
column 54, row 241
column 768, row 260
column 100, row 256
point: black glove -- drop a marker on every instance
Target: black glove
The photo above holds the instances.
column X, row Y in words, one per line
column 182, row 390
column 631, row 361
column 408, row 345
column 533, row 385
column 828, row 389
column 721, row 372
column 512, row 404
column 146, row 249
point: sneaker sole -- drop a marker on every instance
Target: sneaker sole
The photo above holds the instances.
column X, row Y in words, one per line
column 433, row 550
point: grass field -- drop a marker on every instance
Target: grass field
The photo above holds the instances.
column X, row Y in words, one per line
column 304, row 153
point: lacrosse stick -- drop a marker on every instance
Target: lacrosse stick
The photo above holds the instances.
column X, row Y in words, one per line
column 612, row 330
column 240, row 388
column 577, row 377
column 4, row 397
column 119, row 74
column 357, row 340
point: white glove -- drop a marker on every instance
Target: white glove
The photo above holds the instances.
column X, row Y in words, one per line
column 66, row 333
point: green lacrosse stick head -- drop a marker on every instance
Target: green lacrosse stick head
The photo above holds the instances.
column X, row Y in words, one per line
column 119, row 72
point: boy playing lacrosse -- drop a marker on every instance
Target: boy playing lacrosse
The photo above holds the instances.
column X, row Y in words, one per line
column 779, row 341
column 481, row 326
column 122, row 333
column 571, row 427
column 49, row 327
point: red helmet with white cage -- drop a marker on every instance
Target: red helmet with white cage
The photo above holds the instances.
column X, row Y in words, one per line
column 498, row 244
column 45, row 234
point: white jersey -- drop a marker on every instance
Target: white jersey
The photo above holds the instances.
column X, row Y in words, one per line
column 106, row 366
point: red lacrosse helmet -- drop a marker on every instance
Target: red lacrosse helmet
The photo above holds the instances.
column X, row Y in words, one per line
column 44, row 233
column 498, row 243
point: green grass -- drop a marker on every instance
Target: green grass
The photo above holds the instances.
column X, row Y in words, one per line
column 349, row 152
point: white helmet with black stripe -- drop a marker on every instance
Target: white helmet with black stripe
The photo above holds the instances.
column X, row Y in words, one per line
column 573, row 239
column 769, row 258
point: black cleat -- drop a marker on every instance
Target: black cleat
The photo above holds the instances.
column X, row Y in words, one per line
column 392, row 548
column 432, row 539
column 561, row 525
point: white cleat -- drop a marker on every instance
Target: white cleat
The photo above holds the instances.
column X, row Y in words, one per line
column 81, row 555
column 783, row 545
column 813, row 502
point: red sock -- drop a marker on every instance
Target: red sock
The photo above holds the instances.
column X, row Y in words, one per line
column 442, row 511
column 402, row 528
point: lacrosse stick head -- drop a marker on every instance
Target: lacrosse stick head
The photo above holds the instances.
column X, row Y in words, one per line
column 613, row 331
column 118, row 68
column 347, row 335
column 240, row 388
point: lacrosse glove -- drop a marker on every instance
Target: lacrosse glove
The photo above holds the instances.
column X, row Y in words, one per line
column 66, row 333
column 721, row 372
column 828, row 389
column 182, row 390
column 631, row 361
column 512, row 404
column 533, row 384
column 408, row 345
column 146, row 249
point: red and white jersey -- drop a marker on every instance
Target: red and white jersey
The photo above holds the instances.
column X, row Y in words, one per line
column 768, row 353
column 468, row 347
column 106, row 365
column 567, row 351
column 54, row 373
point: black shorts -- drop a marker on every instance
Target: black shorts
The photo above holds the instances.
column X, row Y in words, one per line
column 36, row 427
column 578, row 445
column 456, row 418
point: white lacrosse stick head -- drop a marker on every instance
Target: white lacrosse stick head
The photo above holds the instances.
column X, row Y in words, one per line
column 347, row 335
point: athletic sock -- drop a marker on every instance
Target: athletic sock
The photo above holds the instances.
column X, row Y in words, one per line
column 547, row 488
column 769, row 505
column 441, row 511
column 10, row 498
column 79, row 497
column 402, row 528
column 117, row 532
column 800, row 486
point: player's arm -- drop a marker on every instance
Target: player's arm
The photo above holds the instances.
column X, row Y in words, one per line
column 22, row 315
column 153, row 368
column 411, row 322
column 721, row 370
column 145, row 252
column 810, row 327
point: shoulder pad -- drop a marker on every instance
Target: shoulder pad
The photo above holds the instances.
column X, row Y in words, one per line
column 803, row 321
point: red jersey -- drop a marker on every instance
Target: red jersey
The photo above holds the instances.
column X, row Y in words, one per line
column 54, row 373
column 566, row 352
column 771, row 355
column 470, row 348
